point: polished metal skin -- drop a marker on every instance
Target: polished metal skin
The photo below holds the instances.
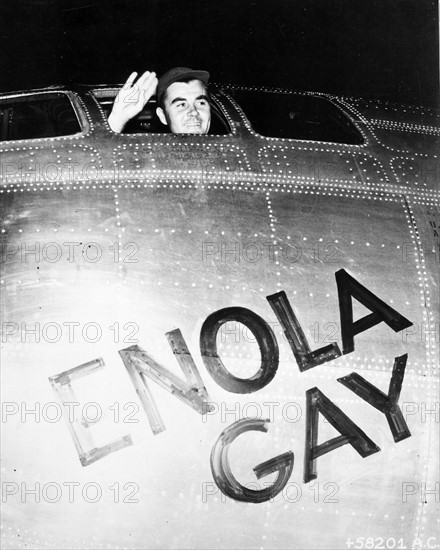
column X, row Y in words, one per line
column 112, row 240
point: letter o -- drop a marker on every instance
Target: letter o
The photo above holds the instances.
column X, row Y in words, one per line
column 252, row 259
column 85, row 252
column 266, row 342
column 85, row 411
column 85, row 332
column 86, row 489
column 58, row 249
column 96, row 171
column 58, row 409
column 289, row 258
column 56, row 337
column 47, row 167
column 298, row 490
column 257, row 408
column 45, row 494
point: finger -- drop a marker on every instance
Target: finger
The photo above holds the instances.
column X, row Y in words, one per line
column 145, row 77
column 147, row 90
column 130, row 80
column 152, row 86
column 149, row 86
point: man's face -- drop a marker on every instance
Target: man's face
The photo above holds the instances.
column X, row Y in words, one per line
column 187, row 109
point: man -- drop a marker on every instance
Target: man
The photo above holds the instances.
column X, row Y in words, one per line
column 182, row 99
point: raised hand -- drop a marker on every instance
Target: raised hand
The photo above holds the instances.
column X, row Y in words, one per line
column 131, row 99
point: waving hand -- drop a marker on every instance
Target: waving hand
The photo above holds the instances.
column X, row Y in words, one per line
column 131, row 99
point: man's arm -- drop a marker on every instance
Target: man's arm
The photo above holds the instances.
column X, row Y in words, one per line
column 131, row 99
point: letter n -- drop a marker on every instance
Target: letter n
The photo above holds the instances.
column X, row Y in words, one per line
column 140, row 366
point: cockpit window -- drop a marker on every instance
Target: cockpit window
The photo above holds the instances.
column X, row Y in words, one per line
column 37, row 116
column 296, row 116
column 147, row 122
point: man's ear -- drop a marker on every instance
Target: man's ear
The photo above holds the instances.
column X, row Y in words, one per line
column 161, row 115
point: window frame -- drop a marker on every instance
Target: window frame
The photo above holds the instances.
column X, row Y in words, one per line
column 77, row 107
column 250, row 126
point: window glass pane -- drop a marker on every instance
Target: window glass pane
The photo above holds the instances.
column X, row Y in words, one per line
column 33, row 117
column 296, row 116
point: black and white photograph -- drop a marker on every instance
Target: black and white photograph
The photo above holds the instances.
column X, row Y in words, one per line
column 219, row 278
